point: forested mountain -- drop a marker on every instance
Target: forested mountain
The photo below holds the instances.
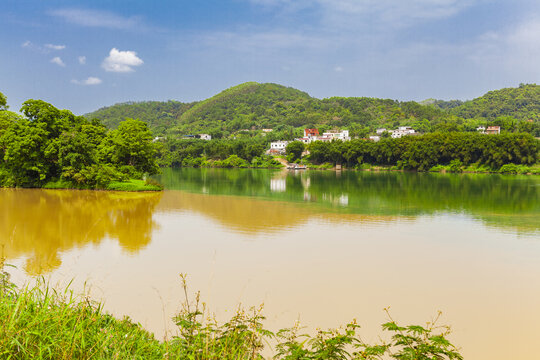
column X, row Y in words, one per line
column 521, row 103
column 253, row 106
column 159, row 115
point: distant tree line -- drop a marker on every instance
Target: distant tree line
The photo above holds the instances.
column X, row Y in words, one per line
column 423, row 152
column 182, row 152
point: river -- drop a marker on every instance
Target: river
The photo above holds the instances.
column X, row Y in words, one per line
column 321, row 247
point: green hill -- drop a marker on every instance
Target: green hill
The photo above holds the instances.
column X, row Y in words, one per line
column 521, row 103
column 252, row 106
column 160, row 115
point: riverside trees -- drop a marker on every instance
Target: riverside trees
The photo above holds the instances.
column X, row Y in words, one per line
column 49, row 144
column 423, row 152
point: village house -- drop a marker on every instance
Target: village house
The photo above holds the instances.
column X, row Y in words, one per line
column 481, row 129
column 342, row 135
column 401, row 131
column 278, row 147
column 204, row 137
column 309, row 133
column 493, row 130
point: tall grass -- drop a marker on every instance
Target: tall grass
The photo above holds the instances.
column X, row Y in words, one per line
column 39, row 322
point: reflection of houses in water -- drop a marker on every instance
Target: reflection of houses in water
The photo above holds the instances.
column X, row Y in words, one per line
column 278, row 185
column 306, row 182
column 342, row 200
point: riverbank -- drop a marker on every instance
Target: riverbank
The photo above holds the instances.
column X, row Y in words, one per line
column 508, row 169
column 132, row 185
column 456, row 167
column 42, row 322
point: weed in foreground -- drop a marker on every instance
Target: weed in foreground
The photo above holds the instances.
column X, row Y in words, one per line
column 41, row 323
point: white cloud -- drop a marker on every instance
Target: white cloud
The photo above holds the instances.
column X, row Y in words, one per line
column 358, row 13
column 58, row 61
column 121, row 61
column 338, row 69
column 90, row 81
column 82, row 60
column 26, row 44
column 95, row 18
column 55, row 47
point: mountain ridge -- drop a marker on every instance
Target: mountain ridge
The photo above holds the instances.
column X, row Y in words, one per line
column 255, row 105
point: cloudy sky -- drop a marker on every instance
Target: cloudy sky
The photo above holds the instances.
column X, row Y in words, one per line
column 82, row 55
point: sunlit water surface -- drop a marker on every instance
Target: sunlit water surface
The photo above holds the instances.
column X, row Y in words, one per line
column 322, row 247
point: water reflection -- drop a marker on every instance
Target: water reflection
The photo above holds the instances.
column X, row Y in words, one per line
column 511, row 202
column 251, row 216
column 39, row 224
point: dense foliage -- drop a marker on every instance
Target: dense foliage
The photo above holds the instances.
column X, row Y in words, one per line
column 192, row 152
column 521, row 103
column 51, row 145
column 248, row 108
column 159, row 115
column 423, row 152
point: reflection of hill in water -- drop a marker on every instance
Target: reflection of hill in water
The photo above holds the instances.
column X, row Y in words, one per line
column 42, row 223
column 511, row 202
column 250, row 215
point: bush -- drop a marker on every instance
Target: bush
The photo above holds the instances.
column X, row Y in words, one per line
column 234, row 161
column 456, row 166
column 437, row 168
column 509, row 169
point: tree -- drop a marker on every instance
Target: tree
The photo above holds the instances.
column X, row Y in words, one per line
column 3, row 102
column 294, row 150
column 131, row 145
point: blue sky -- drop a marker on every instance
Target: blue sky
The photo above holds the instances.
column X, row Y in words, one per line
column 82, row 55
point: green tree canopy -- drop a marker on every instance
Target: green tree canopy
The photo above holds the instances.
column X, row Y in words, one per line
column 3, row 102
column 294, row 150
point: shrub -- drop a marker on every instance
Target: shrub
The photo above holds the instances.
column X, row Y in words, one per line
column 456, row 166
column 509, row 169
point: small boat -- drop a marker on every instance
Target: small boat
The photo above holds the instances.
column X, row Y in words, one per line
column 296, row 167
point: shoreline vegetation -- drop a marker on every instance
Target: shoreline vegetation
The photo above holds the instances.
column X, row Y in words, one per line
column 54, row 149
column 455, row 152
column 46, row 323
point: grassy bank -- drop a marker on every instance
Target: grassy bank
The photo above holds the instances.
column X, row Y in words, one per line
column 43, row 323
column 132, row 185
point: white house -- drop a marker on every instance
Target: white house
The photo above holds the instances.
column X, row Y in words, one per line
column 375, row 138
column 342, row 135
column 401, row 131
column 481, row 129
column 380, row 131
column 205, row 137
column 278, row 146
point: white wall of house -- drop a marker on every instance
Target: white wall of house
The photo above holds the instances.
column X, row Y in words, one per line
column 278, row 145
